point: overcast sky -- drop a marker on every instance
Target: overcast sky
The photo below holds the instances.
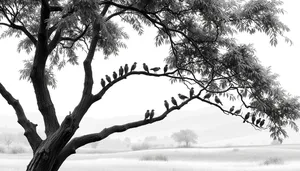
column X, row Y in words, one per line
column 136, row 94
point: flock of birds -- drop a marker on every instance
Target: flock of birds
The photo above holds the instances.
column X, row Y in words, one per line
column 150, row 114
column 125, row 70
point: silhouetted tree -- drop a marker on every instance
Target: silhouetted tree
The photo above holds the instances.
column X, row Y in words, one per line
column 186, row 136
column 203, row 54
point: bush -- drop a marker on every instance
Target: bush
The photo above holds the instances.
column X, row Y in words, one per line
column 2, row 149
column 17, row 149
column 273, row 160
column 158, row 157
column 143, row 146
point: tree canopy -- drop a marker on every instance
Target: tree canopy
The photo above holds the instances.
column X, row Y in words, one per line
column 204, row 55
column 186, row 136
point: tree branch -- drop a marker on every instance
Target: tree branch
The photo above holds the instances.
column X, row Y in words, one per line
column 29, row 127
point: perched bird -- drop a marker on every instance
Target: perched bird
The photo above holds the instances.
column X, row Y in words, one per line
column 182, row 97
column 108, row 78
column 166, row 104
column 174, row 101
column 102, row 82
column 165, row 68
column 217, row 100
column 151, row 114
column 262, row 123
column 115, row 75
column 246, row 117
column 238, row 111
column 253, row 119
column 258, row 121
column 231, row 109
column 121, row 71
column 126, row 68
column 147, row 114
column 207, row 96
column 133, row 67
column 145, row 67
column 155, row 69
column 191, row 92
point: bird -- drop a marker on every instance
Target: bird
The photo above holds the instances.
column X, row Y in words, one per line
column 145, row 67
column 258, row 121
column 115, row 75
column 207, row 96
column 191, row 92
column 246, row 117
column 166, row 104
column 126, row 68
column 108, row 78
column 253, row 119
column 121, row 71
column 165, row 68
column 217, row 100
column 147, row 114
column 262, row 123
column 238, row 111
column 155, row 69
column 151, row 114
column 102, row 82
column 182, row 97
column 133, row 67
column 174, row 101
column 231, row 109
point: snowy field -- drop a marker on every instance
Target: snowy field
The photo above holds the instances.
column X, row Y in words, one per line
column 205, row 159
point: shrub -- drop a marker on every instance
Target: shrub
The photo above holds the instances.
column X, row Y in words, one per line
column 158, row 157
column 143, row 146
column 273, row 160
column 17, row 150
column 2, row 149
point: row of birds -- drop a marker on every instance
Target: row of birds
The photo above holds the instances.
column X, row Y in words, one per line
column 258, row 122
column 150, row 115
column 125, row 70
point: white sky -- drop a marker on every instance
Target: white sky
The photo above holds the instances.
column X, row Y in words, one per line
column 138, row 93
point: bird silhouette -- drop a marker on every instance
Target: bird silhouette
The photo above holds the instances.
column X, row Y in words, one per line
column 121, row 71
column 246, row 117
column 147, row 114
column 133, row 67
column 174, row 101
column 191, row 92
column 166, row 104
column 253, row 119
column 115, row 75
column 262, row 123
column 155, row 69
column 258, row 121
column 182, row 97
column 126, row 68
column 231, row 109
column 165, row 68
column 207, row 96
column 102, row 82
column 151, row 114
column 108, row 78
column 238, row 111
column 145, row 67
column 217, row 100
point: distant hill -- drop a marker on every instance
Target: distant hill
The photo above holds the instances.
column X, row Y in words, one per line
column 212, row 126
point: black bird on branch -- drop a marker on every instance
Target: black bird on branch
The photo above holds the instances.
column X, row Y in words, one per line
column 207, row 96
column 246, row 117
column 151, row 114
column 253, row 119
column 108, row 78
column 182, row 97
column 165, row 69
column 121, row 71
column 133, row 67
column 102, row 82
column 262, row 123
column 217, row 100
column 126, row 68
column 115, row 75
column 258, row 121
column 145, row 67
column 231, row 109
column 238, row 111
column 147, row 114
column 155, row 69
column 166, row 104
column 174, row 101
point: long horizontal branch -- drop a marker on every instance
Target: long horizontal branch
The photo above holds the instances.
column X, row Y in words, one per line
column 30, row 128
column 78, row 142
